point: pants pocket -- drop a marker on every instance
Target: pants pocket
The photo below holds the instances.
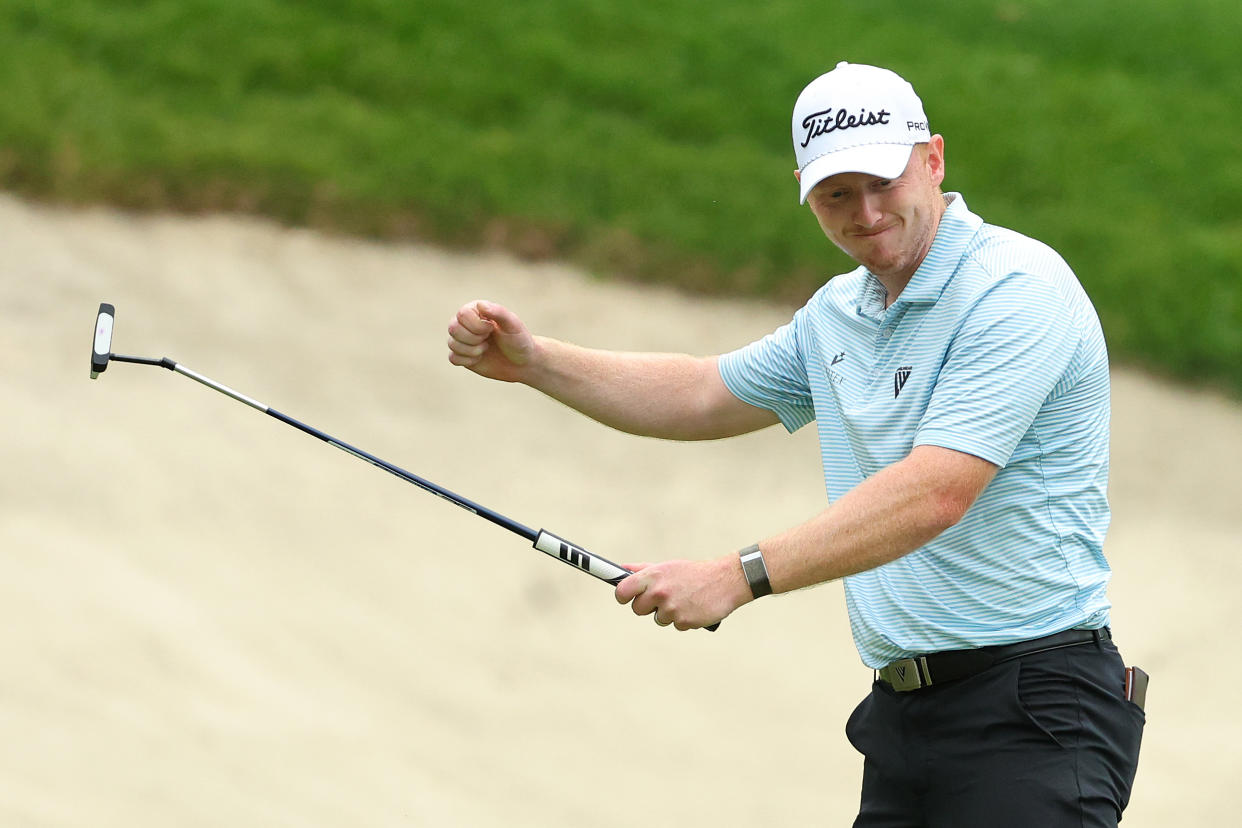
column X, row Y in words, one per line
column 1048, row 697
column 856, row 725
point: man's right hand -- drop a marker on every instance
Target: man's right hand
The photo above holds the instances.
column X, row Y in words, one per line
column 491, row 341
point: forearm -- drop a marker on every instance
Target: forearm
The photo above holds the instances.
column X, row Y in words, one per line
column 888, row 515
column 891, row 514
column 672, row 396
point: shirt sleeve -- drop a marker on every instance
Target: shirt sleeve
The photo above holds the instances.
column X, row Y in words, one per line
column 771, row 373
column 1016, row 346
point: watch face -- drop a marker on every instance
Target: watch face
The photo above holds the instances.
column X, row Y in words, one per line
column 756, row 571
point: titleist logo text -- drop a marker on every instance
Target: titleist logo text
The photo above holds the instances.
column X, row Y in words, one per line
column 821, row 123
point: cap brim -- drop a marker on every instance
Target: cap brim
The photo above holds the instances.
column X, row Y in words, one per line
column 880, row 160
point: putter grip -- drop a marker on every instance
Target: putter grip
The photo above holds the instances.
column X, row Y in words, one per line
column 588, row 562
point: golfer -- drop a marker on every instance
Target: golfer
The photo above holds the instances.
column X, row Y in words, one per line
column 959, row 382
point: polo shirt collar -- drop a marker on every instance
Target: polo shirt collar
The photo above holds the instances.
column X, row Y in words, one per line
column 957, row 227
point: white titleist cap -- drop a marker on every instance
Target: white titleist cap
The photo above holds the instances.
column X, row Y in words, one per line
column 856, row 118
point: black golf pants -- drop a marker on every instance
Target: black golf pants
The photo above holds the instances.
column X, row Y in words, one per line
column 1045, row 740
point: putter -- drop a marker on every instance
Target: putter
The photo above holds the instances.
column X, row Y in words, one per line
column 543, row 540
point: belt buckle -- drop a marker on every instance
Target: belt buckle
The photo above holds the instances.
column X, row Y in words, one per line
column 904, row 675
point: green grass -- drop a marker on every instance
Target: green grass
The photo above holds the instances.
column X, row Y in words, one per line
column 652, row 140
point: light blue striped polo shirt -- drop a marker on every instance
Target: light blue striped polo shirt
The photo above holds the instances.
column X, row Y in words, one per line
column 992, row 349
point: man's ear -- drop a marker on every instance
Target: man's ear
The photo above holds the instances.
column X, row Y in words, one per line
column 935, row 159
column 798, row 176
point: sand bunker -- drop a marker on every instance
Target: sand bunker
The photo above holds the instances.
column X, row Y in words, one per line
column 212, row 619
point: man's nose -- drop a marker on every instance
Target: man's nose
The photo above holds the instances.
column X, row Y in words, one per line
column 867, row 210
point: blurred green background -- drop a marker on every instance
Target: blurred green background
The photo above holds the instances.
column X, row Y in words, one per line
column 651, row 141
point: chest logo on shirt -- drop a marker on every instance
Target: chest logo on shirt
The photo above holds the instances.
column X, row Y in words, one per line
column 899, row 379
column 835, row 376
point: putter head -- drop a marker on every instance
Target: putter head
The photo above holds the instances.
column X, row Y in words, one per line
column 101, row 346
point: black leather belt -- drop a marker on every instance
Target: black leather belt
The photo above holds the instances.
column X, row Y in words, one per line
column 951, row 665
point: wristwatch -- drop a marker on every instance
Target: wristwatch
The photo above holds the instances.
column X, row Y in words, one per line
column 755, row 570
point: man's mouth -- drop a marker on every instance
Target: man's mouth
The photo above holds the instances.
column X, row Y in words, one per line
column 867, row 234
